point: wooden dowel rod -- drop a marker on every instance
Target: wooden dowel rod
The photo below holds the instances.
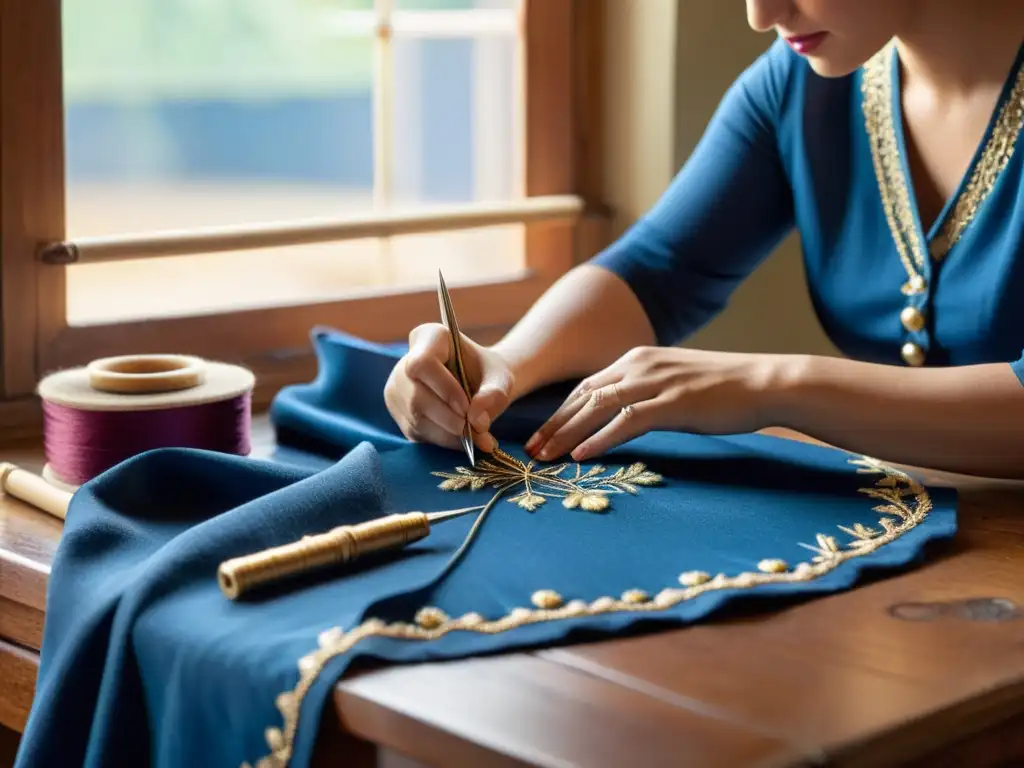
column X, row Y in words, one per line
column 34, row 490
column 89, row 250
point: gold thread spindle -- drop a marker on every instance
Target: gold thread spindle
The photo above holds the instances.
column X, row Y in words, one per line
column 339, row 545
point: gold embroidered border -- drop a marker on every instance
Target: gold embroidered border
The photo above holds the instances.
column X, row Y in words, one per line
column 993, row 160
column 905, row 503
column 877, row 105
column 876, row 87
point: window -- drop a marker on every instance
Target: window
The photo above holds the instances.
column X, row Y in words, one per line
column 218, row 178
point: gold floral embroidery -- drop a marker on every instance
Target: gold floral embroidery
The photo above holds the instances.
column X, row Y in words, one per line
column 893, row 187
column 579, row 490
column 905, row 504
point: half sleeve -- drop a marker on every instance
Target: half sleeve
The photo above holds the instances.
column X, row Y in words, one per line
column 726, row 209
column 1018, row 368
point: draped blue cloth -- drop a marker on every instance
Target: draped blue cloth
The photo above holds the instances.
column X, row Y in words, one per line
column 146, row 663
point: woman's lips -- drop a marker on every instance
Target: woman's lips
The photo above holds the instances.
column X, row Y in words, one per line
column 806, row 44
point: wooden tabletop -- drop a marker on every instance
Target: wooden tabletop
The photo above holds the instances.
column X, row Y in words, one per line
column 922, row 668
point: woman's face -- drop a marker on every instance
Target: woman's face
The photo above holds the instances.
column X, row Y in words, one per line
column 836, row 36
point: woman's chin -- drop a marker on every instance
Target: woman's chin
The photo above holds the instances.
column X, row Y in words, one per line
column 828, row 67
column 833, row 60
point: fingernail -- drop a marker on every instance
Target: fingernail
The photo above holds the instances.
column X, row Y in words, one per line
column 545, row 453
column 579, row 454
column 481, row 422
column 532, row 444
column 488, row 443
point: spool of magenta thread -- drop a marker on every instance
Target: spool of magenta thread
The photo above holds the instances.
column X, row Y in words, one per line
column 99, row 415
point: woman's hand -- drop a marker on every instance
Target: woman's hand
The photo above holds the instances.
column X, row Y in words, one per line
column 427, row 401
column 653, row 388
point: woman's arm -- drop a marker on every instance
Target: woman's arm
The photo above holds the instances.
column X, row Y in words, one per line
column 584, row 322
column 724, row 212
column 967, row 419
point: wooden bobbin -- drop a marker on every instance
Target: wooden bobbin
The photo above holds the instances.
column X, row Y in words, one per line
column 143, row 374
column 34, row 490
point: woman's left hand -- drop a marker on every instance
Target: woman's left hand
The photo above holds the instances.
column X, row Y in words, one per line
column 659, row 388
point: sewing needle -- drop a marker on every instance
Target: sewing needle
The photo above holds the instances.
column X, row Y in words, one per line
column 455, row 362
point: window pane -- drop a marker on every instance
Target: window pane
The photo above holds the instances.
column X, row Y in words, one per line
column 454, row 5
column 455, row 119
column 184, row 113
column 216, row 282
column 189, row 113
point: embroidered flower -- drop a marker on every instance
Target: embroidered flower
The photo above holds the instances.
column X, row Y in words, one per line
column 588, row 490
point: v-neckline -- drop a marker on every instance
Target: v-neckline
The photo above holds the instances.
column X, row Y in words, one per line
column 899, row 126
column 883, row 114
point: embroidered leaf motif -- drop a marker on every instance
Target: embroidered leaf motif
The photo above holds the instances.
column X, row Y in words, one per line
column 456, row 483
column 587, row 490
column 862, row 535
column 528, row 501
column 888, row 524
column 827, row 543
column 892, row 509
column 827, row 548
column 635, row 474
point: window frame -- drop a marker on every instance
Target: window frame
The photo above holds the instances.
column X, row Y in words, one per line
column 561, row 57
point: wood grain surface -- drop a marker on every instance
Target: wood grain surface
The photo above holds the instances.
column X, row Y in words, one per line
column 925, row 668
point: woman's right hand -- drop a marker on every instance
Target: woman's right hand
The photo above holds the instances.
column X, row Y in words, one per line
column 428, row 403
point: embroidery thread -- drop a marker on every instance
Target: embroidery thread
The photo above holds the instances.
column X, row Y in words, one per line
column 583, row 490
column 905, row 504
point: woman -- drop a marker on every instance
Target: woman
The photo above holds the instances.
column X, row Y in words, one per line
column 884, row 132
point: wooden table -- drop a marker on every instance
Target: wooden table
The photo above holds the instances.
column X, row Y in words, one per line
column 926, row 668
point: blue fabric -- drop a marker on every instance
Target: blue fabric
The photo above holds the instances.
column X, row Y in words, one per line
column 145, row 662
column 788, row 150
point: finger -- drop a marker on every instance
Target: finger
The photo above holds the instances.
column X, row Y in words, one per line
column 433, row 434
column 631, row 421
column 425, row 405
column 601, row 407
column 425, row 363
column 485, row 441
column 590, row 413
column 569, row 408
column 539, row 443
column 490, row 400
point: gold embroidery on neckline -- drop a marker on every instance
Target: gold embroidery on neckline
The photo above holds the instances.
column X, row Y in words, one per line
column 905, row 504
column 876, row 87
